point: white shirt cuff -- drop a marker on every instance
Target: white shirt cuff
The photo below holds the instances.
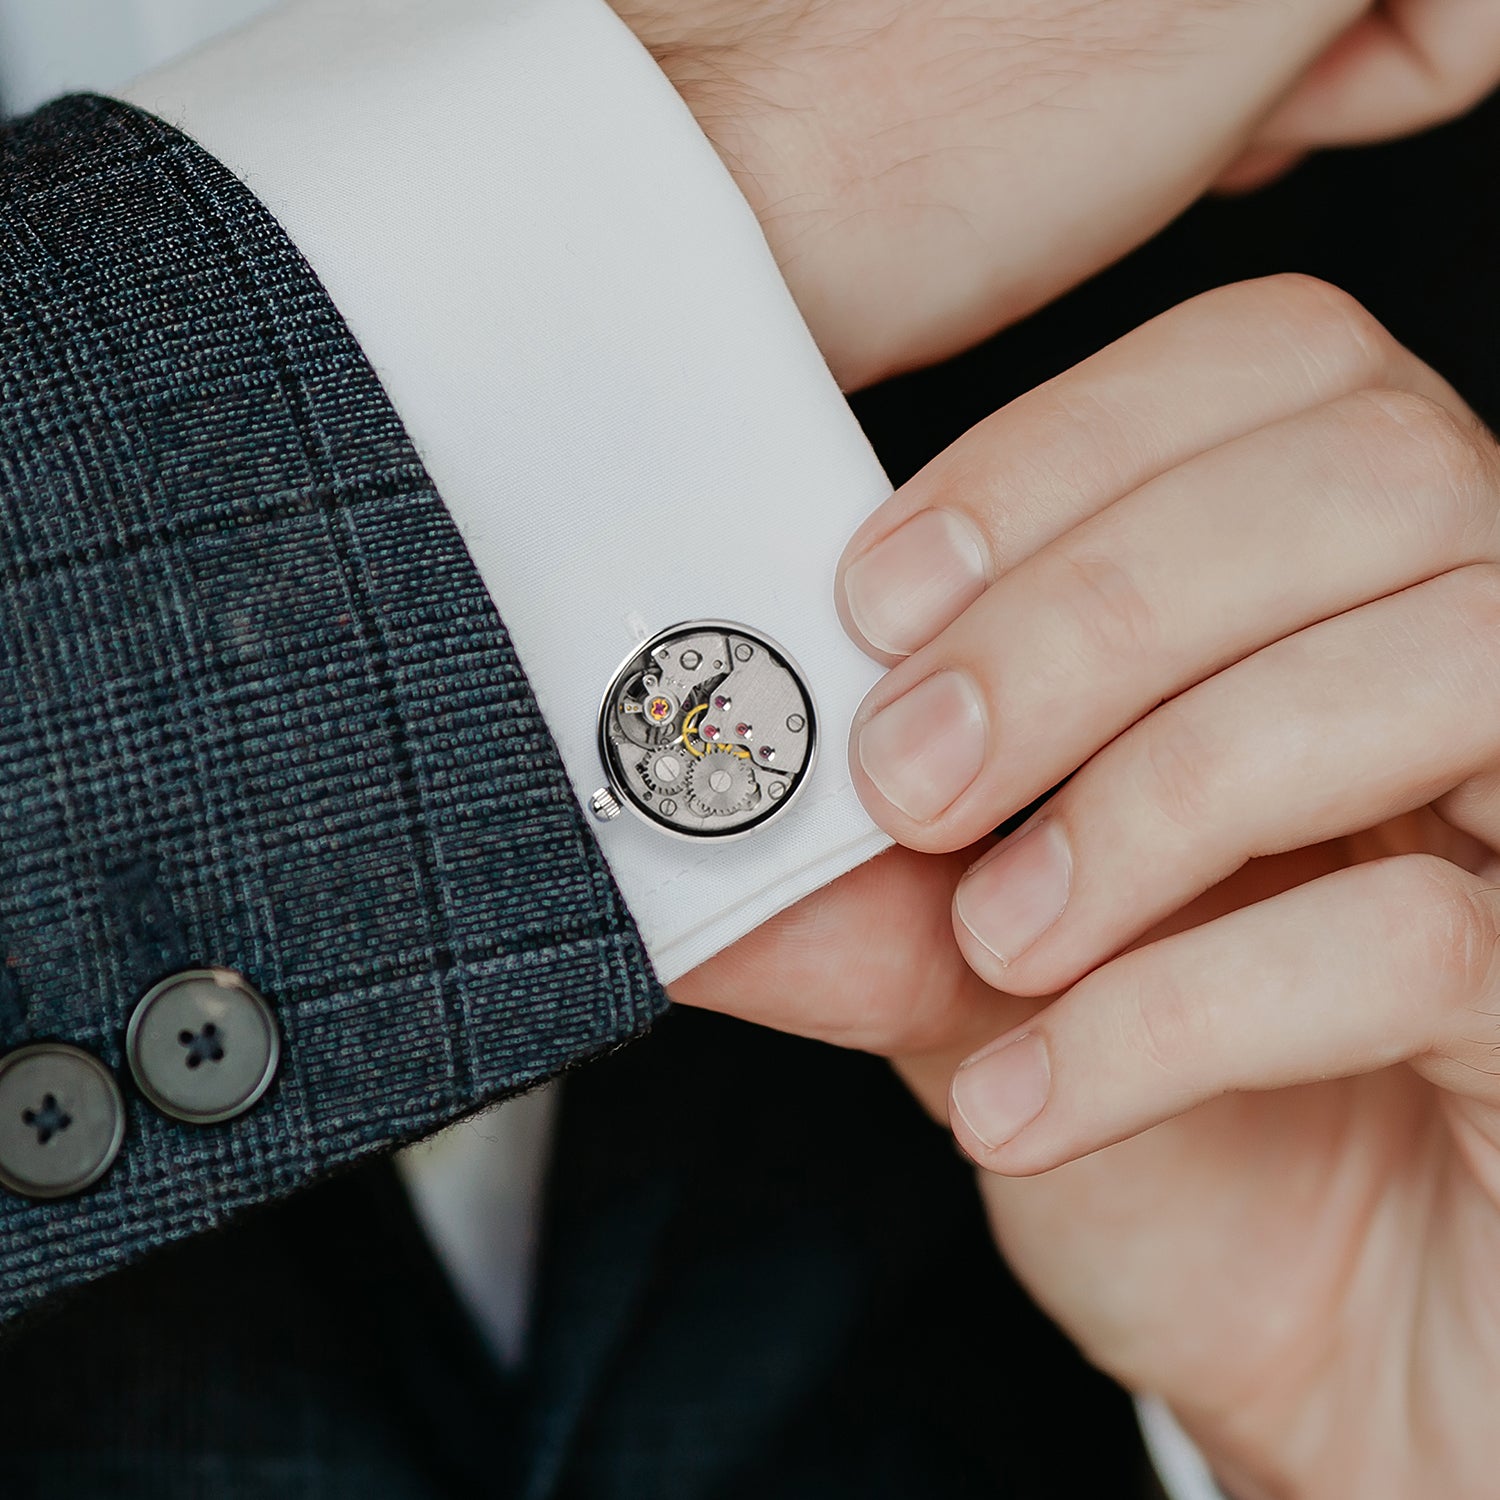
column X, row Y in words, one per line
column 1179, row 1465
column 578, row 321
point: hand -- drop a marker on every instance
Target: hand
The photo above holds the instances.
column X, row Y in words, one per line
column 1402, row 67
column 1237, row 580
column 927, row 171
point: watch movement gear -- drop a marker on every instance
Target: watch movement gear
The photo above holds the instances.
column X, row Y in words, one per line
column 706, row 731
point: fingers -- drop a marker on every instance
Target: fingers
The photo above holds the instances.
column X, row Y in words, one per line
column 867, row 962
column 1333, row 730
column 1473, row 808
column 1233, row 549
column 1407, row 65
column 1206, row 372
column 1374, row 965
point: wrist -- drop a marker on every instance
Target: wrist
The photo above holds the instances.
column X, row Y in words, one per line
column 780, row 159
column 926, row 174
column 827, row 182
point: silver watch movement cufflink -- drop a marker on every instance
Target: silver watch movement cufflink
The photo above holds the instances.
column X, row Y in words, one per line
column 706, row 731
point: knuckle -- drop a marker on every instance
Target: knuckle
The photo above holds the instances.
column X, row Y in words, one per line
column 1164, row 1025
column 1476, row 608
column 1012, row 492
column 1431, row 464
column 1452, row 927
column 1082, row 449
column 1179, row 769
column 1328, row 325
column 1421, row 436
column 1114, row 620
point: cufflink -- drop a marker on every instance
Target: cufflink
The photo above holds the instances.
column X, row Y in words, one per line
column 707, row 731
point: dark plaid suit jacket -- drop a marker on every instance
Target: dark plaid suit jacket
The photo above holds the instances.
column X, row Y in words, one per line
column 256, row 710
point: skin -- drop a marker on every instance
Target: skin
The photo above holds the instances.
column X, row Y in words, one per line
column 928, row 170
column 1265, row 1181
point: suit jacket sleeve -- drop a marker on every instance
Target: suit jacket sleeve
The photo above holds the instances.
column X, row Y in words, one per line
column 259, row 711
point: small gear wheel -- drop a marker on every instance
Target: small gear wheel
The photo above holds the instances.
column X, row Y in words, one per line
column 666, row 771
column 721, row 783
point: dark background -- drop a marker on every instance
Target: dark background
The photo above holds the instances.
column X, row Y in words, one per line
column 1411, row 229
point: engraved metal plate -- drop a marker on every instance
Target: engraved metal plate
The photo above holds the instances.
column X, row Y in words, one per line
column 707, row 731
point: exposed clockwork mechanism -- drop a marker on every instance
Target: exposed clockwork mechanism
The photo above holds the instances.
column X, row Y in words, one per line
column 707, row 731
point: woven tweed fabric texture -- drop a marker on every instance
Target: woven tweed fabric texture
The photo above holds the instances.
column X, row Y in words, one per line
column 256, row 709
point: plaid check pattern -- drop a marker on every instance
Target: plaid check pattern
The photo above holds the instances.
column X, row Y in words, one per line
column 256, row 708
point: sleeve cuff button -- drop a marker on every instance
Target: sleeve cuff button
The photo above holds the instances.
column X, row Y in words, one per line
column 62, row 1119
column 203, row 1046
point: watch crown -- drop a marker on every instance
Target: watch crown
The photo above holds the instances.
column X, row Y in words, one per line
column 604, row 805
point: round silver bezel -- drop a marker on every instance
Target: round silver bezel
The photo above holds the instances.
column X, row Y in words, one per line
column 625, row 794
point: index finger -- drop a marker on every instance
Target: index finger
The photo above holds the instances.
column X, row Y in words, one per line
column 1213, row 369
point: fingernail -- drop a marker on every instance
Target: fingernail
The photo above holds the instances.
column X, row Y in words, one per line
column 925, row 748
column 996, row 1094
column 912, row 583
column 1014, row 895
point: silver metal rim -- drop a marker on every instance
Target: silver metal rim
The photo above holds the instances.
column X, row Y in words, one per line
column 622, row 794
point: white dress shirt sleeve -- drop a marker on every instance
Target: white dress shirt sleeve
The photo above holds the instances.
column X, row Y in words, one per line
column 1179, row 1465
